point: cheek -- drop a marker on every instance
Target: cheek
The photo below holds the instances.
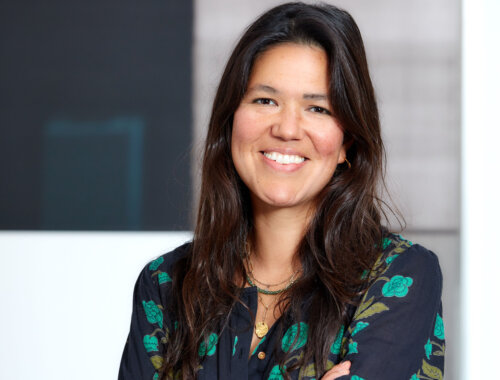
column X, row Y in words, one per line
column 329, row 144
column 244, row 129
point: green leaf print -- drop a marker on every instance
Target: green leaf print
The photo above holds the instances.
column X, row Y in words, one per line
column 397, row 286
column 156, row 263
column 439, row 328
column 163, row 278
column 309, row 371
column 208, row 349
column 376, row 308
column 291, row 334
column 414, row 377
column 431, row 371
column 157, row 361
column 151, row 343
column 364, row 305
column 153, row 313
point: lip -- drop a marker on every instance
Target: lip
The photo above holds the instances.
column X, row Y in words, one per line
column 284, row 168
column 289, row 151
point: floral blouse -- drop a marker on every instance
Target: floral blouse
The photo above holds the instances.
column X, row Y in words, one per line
column 395, row 333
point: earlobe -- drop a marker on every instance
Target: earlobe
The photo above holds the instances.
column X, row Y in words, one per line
column 342, row 155
column 343, row 151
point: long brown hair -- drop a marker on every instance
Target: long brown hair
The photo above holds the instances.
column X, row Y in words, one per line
column 343, row 237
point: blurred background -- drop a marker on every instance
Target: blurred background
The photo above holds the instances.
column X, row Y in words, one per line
column 103, row 110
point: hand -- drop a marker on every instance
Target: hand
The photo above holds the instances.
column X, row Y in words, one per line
column 337, row 371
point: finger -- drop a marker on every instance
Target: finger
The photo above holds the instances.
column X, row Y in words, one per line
column 337, row 371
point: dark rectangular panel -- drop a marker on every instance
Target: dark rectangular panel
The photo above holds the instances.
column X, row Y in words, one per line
column 87, row 66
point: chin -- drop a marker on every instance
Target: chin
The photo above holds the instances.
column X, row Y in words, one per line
column 282, row 200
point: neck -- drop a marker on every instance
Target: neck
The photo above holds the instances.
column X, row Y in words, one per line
column 277, row 234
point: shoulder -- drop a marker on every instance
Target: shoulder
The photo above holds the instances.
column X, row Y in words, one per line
column 397, row 315
column 400, row 254
column 404, row 268
column 166, row 262
column 157, row 273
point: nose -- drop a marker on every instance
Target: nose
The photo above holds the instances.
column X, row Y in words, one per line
column 288, row 124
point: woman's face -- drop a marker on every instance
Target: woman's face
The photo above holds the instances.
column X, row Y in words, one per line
column 285, row 142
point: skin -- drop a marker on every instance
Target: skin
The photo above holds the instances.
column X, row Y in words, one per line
column 285, row 110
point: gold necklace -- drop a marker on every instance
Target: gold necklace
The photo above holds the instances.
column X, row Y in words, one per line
column 261, row 328
column 271, row 292
column 254, row 282
column 289, row 279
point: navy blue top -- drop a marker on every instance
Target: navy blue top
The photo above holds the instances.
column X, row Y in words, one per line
column 395, row 333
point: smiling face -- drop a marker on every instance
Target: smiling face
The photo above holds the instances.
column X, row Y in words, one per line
column 285, row 142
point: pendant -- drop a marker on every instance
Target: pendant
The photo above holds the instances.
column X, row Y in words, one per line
column 261, row 329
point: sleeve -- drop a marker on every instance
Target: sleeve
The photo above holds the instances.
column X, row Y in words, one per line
column 397, row 331
column 150, row 326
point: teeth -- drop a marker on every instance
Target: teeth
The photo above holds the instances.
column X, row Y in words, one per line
column 284, row 158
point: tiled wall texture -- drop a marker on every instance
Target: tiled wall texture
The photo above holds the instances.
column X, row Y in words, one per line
column 413, row 49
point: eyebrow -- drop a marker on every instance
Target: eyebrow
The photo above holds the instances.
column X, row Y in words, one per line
column 263, row 87
column 315, row 96
column 272, row 90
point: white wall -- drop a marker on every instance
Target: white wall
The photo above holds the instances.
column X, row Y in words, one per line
column 480, row 189
column 66, row 300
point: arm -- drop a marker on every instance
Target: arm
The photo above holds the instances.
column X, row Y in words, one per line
column 397, row 331
column 150, row 326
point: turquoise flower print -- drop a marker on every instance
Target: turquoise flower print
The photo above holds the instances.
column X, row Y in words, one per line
column 234, row 344
column 153, row 313
column 156, row 263
column 414, row 377
column 428, row 349
column 291, row 334
column 410, row 243
column 276, row 373
column 355, row 377
column 209, row 348
column 335, row 348
column 387, row 242
column 176, row 324
column 258, row 345
column 439, row 327
column 155, row 377
column 151, row 343
column 163, row 278
column 359, row 326
column 390, row 259
column 397, row 286
column 353, row 348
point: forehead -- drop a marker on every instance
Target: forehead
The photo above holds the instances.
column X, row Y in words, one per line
column 290, row 64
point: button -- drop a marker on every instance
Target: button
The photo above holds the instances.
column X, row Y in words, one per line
column 261, row 355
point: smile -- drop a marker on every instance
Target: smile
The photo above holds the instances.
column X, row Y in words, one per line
column 284, row 158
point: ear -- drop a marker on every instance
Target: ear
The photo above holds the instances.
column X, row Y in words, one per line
column 343, row 151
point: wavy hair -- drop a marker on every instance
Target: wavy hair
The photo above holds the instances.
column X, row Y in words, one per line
column 343, row 237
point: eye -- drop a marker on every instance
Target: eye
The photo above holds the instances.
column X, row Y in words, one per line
column 317, row 109
column 264, row 101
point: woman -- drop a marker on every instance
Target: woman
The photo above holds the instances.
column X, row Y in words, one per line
column 290, row 273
